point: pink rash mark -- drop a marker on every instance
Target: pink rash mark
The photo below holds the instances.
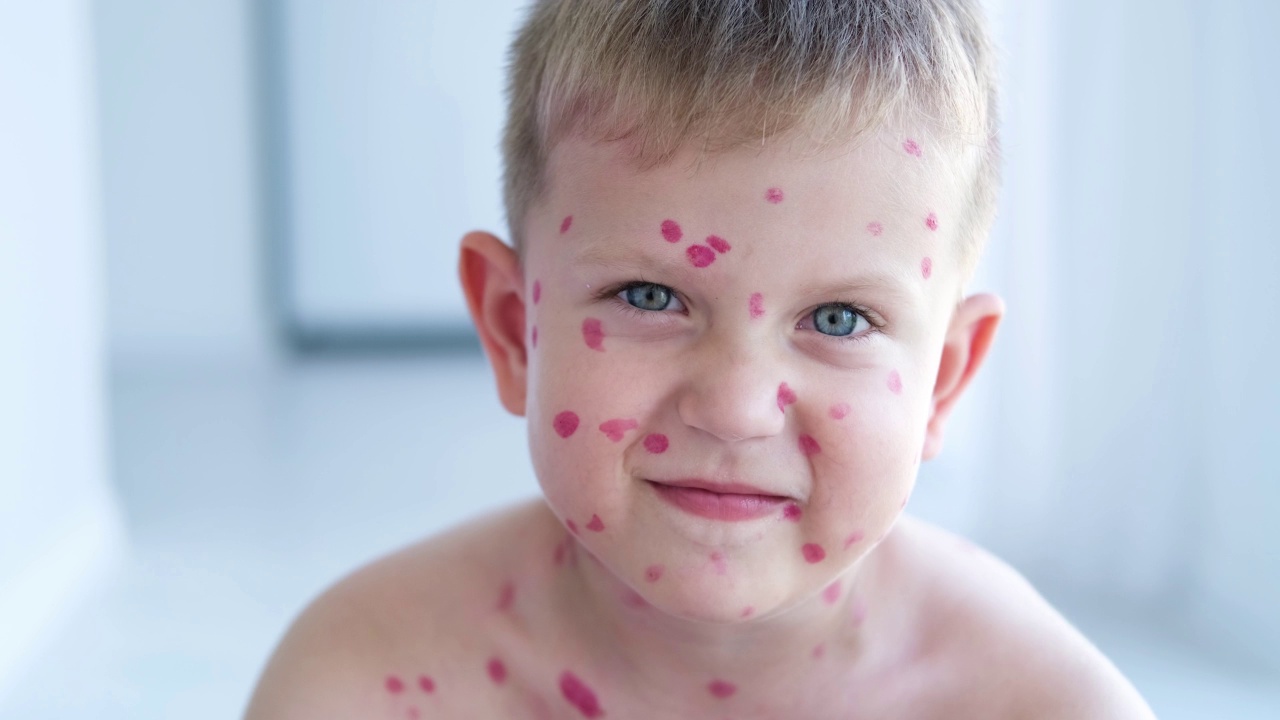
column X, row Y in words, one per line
column 719, row 244
column 756, row 306
column 786, row 396
column 819, row 651
column 535, row 336
column 579, row 695
column 931, row 221
column 719, row 563
column 558, row 555
column 839, row 411
column 653, row 573
column 722, row 689
column 809, row 446
column 832, row 593
column 596, row 524
column 656, row 443
column 859, row 611
column 615, row 429
column 813, row 553
column 926, row 267
column 913, row 148
column 427, row 684
column 792, row 512
column 537, row 292
column 566, row 423
column 671, row 231
column 854, row 537
column 875, row 228
column 564, row 224
column 394, row 685
column 573, row 526
column 700, row 255
column 748, row 611
column 497, row 671
column 506, row 597
column 895, row 382
column 773, row 195
column 593, row 334
column 413, row 713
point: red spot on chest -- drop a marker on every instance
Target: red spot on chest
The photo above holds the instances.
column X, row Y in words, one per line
column 671, row 231
column 792, row 512
column 839, row 411
column 394, row 684
column 700, row 255
column 809, row 446
column 565, row 223
column 615, row 429
column 596, row 524
column 722, row 689
column 786, row 396
column 497, row 671
column 579, row 695
column 773, row 195
column 931, row 221
column 566, row 423
column 719, row 244
column 756, row 306
column 813, row 553
column 656, row 443
column 593, row 334
column 427, row 684
column 653, row 573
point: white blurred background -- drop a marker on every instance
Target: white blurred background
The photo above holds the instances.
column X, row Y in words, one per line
column 230, row 325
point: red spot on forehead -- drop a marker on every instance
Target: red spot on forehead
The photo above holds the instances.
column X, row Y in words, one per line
column 656, row 443
column 875, row 228
column 895, row 382
column 566, row 423
column 565, row 223
column 579, row 695
column 854, row 537
column 773, row 195
column 926, row 267
column 394, row 684
column 593, row 334
column 700, row 255
column 537, row 291
column 722, row 689
column 497, row 671
column 718, row 244
column 831, row 593
column 756, row 306
column 653, row 573
column 427, row 684
column 813, row 553
column 616, row 428
column 931, row 221
column 809, row 446
column 786, row 396
column 596, row 524
column 792, row 512
column 506, row 597
column 912, row 147
column 839, row 411
column 671, row 231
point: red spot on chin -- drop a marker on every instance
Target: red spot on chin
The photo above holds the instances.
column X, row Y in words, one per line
column 719, row 563
column 875, row 228
column 792, row 512
column 895, row 382
column 566, row 423
column 809, row 446
column 653, row 573
column 773, row 195
column 839, row 411
column 913, row 148
column 497, row 671
column 756, row 306
column 615, row 429
column 671, row 231
column 786, row 396
column 394, row 684
column 593, row 334
column 506, row 597
column 573, row 526
column 854, row 537
column 579, row 695
column 748, row 611
column 813, row 553
column 931, row 221
column 537, row 292
column 427, row 684
column 722, row 689
column 656, row 443
column 565, row 223
column 926, row 267
column 700, row 255
column 596, row 524
column 832, row 593
column 719, row 244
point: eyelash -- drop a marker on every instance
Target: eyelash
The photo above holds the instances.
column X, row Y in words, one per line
column 867, row 313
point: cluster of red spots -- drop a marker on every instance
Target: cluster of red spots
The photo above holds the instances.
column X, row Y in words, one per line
column 671, row 231
column 926, row 267
column 719, row 563
column 773, row 195
column 839, row 411
column 593, row 334
column 809, row 446
column 895, row 382
column 506, row 597
column 792, row 512
column 656, row 443
column 537, row 291
column 497, row 671
column 875, row 228
column 756, row 306
column 565, row 223
column 579, row 695
column 396, row 686
column 931, row 221
column 912, row 147
column 854, row 537
column 653, row 573
column 831, row 594
column 595, row 524
column 565, row 423
column 813, row 553
column 786, row 396
column 616, row 428
column 700, row 255
column 721, row 688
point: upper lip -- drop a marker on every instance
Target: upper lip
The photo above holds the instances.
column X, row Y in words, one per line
column 723, row 488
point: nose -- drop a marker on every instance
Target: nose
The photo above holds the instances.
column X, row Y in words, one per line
column 732, row 391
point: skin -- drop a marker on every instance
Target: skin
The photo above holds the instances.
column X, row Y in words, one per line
column 652, row 611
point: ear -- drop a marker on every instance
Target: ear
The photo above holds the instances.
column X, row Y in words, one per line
column 973, row 327
column 494, row 286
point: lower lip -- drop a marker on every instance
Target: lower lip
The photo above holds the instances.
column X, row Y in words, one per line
column 720, row 506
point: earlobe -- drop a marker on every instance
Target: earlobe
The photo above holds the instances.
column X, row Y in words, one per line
column 493, row 284
column 969, row 337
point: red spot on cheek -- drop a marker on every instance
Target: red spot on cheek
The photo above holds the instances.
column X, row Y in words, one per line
column 700, row 255
column 615, row 429
column 596, row 524
column 854, row 537
column 913, row 148
column 506, row 597
column 931, row 221
column 839, row 411
column 926, row 267
column 722, row 689
column 565, row 223
column 792, row 512
column 656, row 443
column 875, row 228
column 719, row 244
column 756, row 305
column 653, row 573
column 786, row 396
column 671, row 231
column 809, row 446
column 497, row 671
column 593, row 334
column 773, row 195
column 566, row 423
column 427, row 684
column 813, row 553
column 832, row 593
column 579, row 695
column 895, row 382
column 394, row 684
column 537, row 292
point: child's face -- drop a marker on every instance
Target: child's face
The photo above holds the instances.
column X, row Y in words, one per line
column 768, row 325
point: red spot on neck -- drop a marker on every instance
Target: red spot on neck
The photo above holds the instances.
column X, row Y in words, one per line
column 813, row 553
column 912, row 147
column 931, row 221
column 565, row 223
column 579, row 695
column 497, row 671
column 671, row 231
column 700, row 255
column 427, row 684
column 566, row 423
column 394, row 684
column 773, row 195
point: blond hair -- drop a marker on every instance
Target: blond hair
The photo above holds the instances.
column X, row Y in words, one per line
column 722, row 74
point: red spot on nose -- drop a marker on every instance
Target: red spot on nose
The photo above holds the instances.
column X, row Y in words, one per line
column 839, row 411
column 565, row 223
column 700, row 255
column 506, row 597
column 791, row 512
column 756, row 306
column 773, row 195
column 497, row 671
column 926, row 267
column 656, row 443
column 615, row 429
column 813, row 553
column 596, row 524
column 653, row 573
column 875, row 228
column 931, row 221
column 593, row 334
column 832, row 593
column 718, row 244
column 722, row 689
column 809, row 446
column 427, row 684
column 579, row 695
column 786, row 396
column 895, row 382
column 566, row 423
column 671, row 231
column 912, row 147
column 394, row 684
column 854, row 537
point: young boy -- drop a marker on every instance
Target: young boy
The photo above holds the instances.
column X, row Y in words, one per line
column 734, row 316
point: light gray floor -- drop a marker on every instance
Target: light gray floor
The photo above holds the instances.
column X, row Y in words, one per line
column 245, row 495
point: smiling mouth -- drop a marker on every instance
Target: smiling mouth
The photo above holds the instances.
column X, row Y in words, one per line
column 729, row 503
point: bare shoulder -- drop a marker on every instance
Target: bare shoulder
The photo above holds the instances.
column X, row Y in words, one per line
column 382, row 641
column 998, row 644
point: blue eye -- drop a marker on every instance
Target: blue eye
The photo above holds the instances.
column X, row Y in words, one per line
column 837, row 320
column 648, row 296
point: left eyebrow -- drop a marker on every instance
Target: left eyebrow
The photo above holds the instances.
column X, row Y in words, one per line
column 601, row 255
